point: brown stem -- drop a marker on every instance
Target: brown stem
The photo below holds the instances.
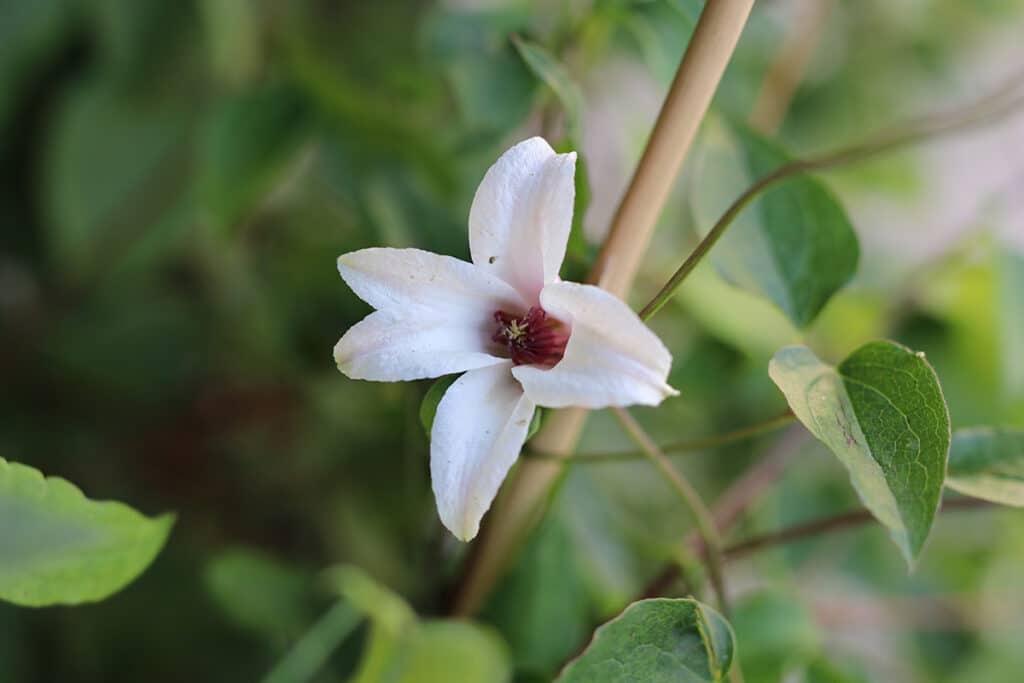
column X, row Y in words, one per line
column 840, row 522
column 743, row 493
column 528, row 490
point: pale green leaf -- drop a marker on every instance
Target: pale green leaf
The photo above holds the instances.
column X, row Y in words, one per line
column 793, row 245
column 883, row 414
column 657, row 641
column 988, row 463
column 58, row 547
column 402, row 649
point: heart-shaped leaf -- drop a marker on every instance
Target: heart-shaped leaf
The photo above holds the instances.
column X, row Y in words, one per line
column 883, row 414
column 58, row 547
column 794, row 245
column 988, row 463
column 657, row 641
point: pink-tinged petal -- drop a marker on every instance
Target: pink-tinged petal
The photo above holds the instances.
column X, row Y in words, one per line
column 479, row 429
column 521, row 215
column 401, row 345
column 612, row 358
column 413, row 279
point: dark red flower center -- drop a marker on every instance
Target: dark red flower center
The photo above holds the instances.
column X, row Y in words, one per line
column 531, row 339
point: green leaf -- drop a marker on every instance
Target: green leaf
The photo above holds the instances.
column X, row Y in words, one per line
column 777, row 635
column 657, row 641
column 428, row 406
column 988, row 463
column 546, row 67
column 250, row 142
column 260, row 593
column 794, row 245
column 883, row 414
column 114, row 170
column 58, row 547
column 403, row 649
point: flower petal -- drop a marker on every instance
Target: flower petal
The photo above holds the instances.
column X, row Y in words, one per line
column 612, row 358
column 401, row 345
column 410, row 279
column 478, row 431
column 521, row 215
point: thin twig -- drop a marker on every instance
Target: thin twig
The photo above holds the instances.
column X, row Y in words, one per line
column 676, row 448
column 712, row 540
column 730, row 506
column 1002, row 102
column 840, row 522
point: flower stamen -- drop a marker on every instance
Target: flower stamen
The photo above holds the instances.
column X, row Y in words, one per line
column 531, row 339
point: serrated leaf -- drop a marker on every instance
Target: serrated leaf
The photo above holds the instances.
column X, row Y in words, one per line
column 657, row 641
column 883, row 414
column 793, row 245
column 546, row 67
column 988, row 463
column 58, row 547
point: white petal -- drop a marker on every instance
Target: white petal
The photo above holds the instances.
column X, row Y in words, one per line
column 401, row 345
column 612, row 358
column 521, row 215
column 408, row 279
column 478, row 431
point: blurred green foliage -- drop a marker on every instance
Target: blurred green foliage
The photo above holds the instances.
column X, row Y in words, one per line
column 177, row 182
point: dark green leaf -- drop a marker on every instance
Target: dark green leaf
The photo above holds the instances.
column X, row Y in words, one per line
column 259, row 593
column 883, row 414
column 249, row 144
column 657, row 641
column 58, row 547
column 988, row 463
column 428, row 406
column 794, row 245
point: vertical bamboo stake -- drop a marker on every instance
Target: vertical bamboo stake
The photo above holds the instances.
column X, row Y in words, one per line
column 700, row 71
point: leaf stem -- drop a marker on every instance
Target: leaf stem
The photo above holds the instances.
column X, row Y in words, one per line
column 678, row 447
column 712, row 540
column 1001, row 102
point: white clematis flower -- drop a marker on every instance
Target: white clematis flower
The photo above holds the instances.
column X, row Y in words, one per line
column 523, row 337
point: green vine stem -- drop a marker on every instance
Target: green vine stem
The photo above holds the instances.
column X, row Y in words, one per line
column 677, row 447
column 1001, row 102
column 712, row 540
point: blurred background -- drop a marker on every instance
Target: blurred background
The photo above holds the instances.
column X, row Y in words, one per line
column 178, row 179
